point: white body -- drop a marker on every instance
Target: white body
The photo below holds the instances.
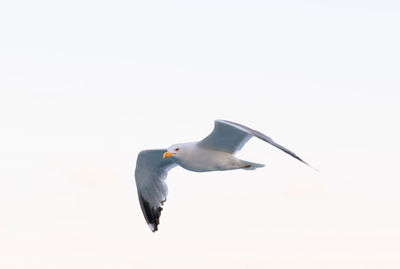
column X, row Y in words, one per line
column 198, row 159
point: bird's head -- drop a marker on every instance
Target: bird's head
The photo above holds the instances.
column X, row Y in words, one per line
column 175, row 150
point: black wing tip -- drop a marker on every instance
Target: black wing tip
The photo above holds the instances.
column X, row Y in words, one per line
column 153, row 227
column 313, row 168
column 151, row 214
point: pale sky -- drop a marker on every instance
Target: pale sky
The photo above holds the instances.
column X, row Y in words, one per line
column 85, row 85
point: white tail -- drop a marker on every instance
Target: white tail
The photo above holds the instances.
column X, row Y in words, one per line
column 251, row 166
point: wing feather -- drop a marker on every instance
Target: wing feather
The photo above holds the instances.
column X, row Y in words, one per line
column 150, row 174
column 230, row 137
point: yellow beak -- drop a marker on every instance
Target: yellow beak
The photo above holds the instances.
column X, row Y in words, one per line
column 167, row 154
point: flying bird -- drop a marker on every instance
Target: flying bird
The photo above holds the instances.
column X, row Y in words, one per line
column 216, row 152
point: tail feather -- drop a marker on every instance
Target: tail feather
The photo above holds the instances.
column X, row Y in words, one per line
column 251, row 166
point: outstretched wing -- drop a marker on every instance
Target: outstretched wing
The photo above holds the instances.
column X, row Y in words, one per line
column 230, row 137
column 150, row 174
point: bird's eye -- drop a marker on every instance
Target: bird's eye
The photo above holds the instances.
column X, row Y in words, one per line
column 177, row 149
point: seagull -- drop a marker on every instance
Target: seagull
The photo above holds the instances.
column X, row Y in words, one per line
column 216, row 152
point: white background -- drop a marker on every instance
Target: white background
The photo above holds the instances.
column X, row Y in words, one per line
column 85, row 85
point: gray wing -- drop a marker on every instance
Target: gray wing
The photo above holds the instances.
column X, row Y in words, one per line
column 150, row 174
column 230, row 137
